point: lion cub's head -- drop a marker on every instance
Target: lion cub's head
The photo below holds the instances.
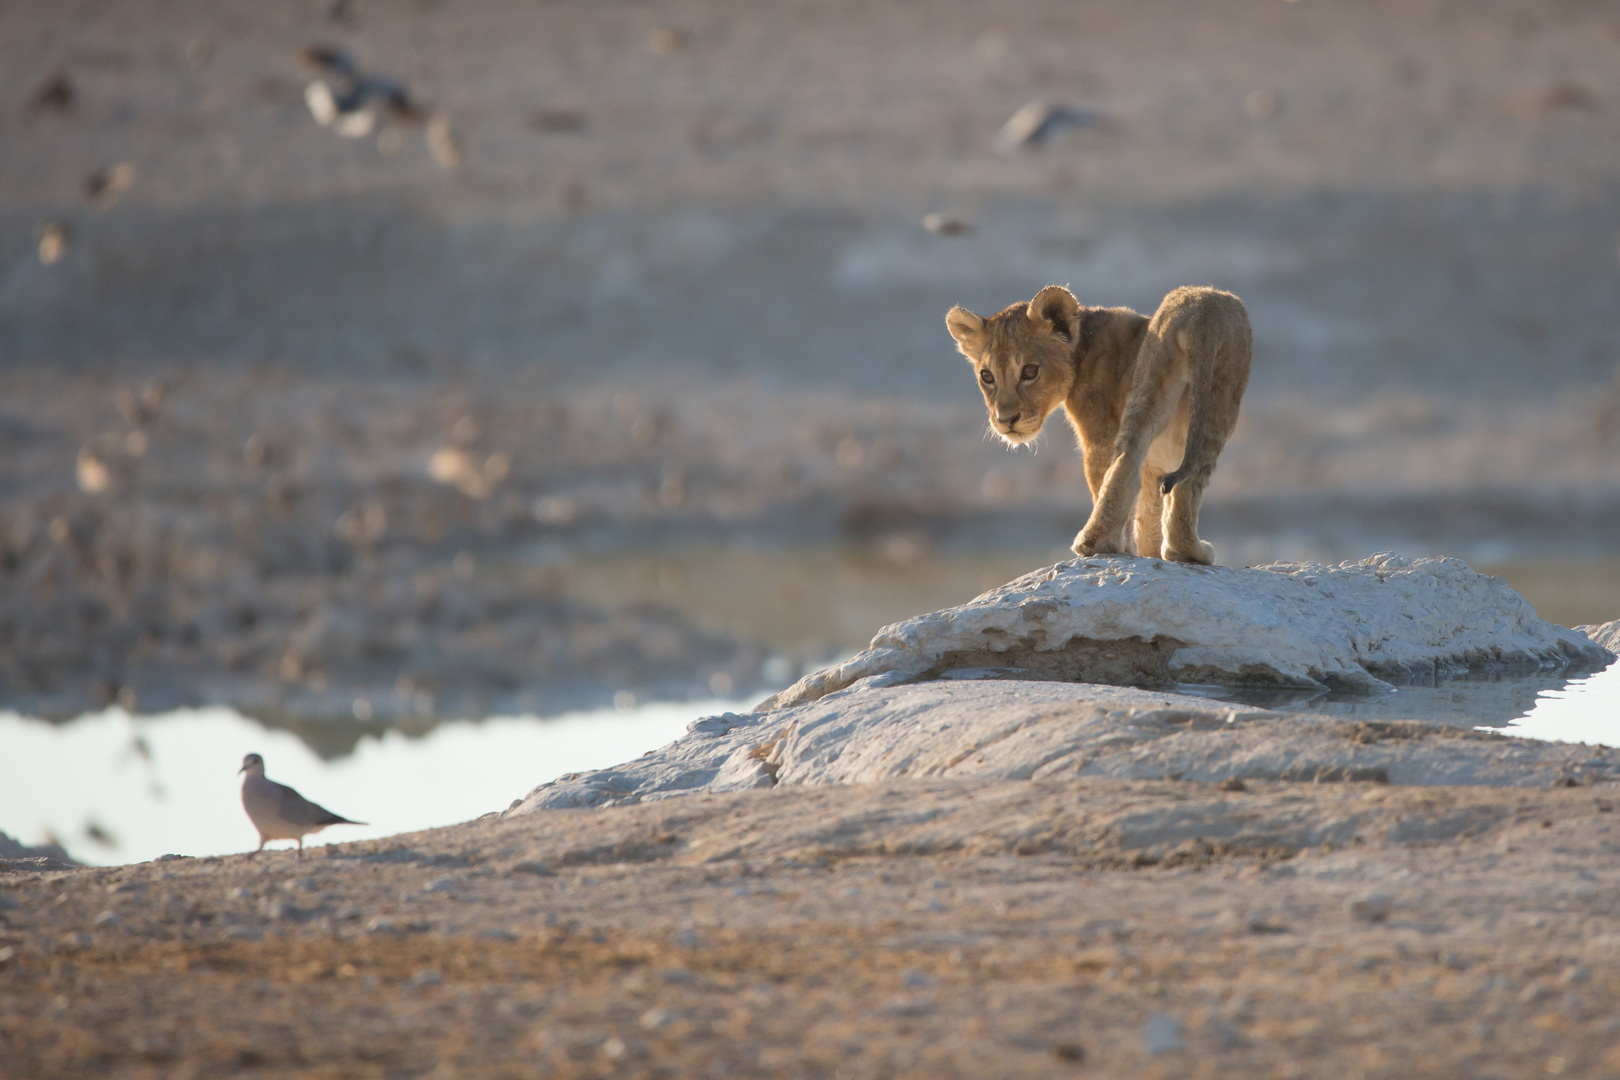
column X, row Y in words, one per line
column 1023, row 358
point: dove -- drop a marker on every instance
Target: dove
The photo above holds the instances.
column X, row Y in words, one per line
column 279, row 812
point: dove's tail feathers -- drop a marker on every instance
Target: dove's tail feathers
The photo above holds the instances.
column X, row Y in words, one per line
column 329, row 818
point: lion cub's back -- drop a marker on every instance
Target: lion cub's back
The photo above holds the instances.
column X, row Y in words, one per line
column 1198, row 317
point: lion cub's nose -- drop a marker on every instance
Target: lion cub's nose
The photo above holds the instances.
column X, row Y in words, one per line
column 1009, row 419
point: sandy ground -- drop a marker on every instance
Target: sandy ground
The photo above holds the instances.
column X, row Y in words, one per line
column 961, row 929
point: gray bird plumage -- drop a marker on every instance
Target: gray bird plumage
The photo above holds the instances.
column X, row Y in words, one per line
column 279, row 812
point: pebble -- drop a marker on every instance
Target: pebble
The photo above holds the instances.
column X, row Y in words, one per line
column 1574, row 975
column 380, row 925
column 945, row 225
column 1373, row 908
column 687, row 939
column 657, row 1017
column 443, row 884
column 1163, row 1034
column 9, row 903
column 910, row 1006
column 425, row 977
column 1261, row 923
column 498, row 934
column 281, row 911
column 107, row 918
column 916, row 980
column 244, row 933
column 1534, row 992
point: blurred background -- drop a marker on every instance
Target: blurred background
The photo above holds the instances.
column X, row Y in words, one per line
column 366, row 365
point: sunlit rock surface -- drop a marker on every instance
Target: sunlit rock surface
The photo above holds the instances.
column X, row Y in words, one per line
column 1144, row 622
column 1024, row 683
column 1039, row 730
column 1605, row 634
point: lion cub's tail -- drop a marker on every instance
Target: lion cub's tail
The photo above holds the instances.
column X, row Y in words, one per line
column 1205, row 434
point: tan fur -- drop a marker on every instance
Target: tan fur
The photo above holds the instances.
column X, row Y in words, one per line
column 1153, row 401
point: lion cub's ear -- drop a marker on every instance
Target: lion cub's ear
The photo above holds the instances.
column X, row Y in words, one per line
column 1057, row 306
column 966, row 327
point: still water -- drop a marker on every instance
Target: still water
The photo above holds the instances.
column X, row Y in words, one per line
column 152, row 785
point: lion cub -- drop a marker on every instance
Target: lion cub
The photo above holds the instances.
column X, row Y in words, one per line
column 1152, row 400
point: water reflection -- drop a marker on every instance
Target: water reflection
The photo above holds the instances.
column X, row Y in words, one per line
column 1560, row 709
column 113, row 787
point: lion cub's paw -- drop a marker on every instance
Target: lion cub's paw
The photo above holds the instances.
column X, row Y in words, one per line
column 1204, row 556
column 1085, row 545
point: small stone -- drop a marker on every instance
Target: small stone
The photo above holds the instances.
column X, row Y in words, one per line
column 687, row 939
column 916, row 980
column 380, row 925
column 910, row 1006
column 1574, row 975
column 244, row 933
column 1070, row 1052
column 657, row 1017
column 1163, row 1034
column 946, row 225
column 9, row 903
column 443, row 884
column 1233, row 783
column 1373, row 908
column 107, row 918
column 425, row 977
column 614, row 1047
column 498, row 934
column 538, row 869
column 1261, row 922
column 281, row 911
column 1534, row 992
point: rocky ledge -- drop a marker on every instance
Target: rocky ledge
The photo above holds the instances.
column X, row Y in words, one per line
column 1357, row 626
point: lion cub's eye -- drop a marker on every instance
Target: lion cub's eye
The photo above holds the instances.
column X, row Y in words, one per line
column 1030, row 371
column 987, row 378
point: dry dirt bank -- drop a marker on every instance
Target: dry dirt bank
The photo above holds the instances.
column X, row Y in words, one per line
column 962, row 929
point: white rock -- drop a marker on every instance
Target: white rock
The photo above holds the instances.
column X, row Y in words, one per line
column 932, row 697
column 1021, row 729
column 1132, row 621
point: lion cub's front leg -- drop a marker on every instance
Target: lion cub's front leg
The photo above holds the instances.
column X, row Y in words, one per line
column 1104, row 532
column 1147, row 410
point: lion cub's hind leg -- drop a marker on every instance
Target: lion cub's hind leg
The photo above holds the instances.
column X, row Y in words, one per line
column 1181, row 542
column 1148, row 527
